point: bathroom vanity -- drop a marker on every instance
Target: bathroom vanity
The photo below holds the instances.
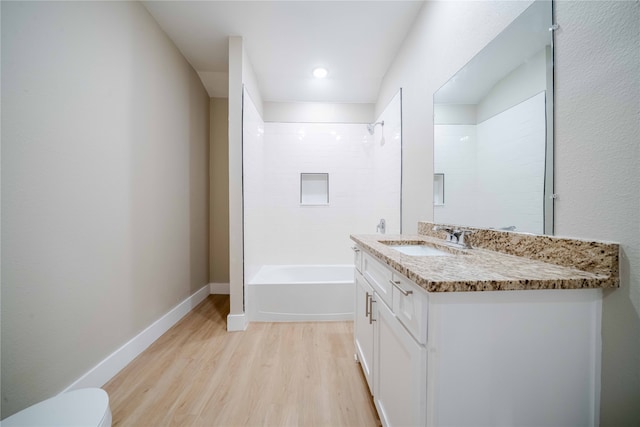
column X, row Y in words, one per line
column 506, row 333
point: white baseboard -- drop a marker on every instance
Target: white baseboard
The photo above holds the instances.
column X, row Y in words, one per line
column 219, row 288
column 115, row 362
column 236, row 322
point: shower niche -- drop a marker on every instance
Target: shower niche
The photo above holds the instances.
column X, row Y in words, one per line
column 314, row 189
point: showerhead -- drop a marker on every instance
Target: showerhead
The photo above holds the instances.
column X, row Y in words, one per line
column 371, row 126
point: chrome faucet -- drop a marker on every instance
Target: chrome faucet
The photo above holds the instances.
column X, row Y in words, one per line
column 455, row 236
column 460, row 234
column 382, row 226
column 447, row 230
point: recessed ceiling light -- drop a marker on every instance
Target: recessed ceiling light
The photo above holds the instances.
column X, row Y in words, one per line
column 320, row 73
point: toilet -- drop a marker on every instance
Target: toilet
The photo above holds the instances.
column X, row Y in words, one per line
column 87, row 407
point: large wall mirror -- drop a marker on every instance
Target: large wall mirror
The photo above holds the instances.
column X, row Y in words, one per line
column 493, row 132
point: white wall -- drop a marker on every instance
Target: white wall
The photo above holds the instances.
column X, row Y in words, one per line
column 364, row 186
column 253, row 147
column 250, row 82
column 104, row 187
column 596, row 142
column 597, row 134
column 241, row 79
column 318, row 112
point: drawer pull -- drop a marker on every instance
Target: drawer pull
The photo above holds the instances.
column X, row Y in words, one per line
column 366, row 305
column 356, row 250
column 371, row 319
column 396, row 283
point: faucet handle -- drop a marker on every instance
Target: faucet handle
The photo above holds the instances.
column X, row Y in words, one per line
column 461, row 234
column 450, row 232
column 455, row 235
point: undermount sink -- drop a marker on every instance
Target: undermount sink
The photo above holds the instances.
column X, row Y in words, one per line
column 419, row 250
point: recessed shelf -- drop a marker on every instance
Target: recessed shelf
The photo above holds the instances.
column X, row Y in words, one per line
column 314, row 189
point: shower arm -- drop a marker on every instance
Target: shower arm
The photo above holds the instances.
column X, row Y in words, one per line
column 371, row 126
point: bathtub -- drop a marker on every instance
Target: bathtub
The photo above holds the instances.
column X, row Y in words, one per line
column 294, row 293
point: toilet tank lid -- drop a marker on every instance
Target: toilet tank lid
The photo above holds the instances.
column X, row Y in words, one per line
column 83, row 407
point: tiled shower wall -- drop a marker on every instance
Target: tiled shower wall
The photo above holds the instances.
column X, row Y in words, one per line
column 364, row 186
column 494, row 172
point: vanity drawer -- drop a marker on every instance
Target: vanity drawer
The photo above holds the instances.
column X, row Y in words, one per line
column 379, row 277
column 357, row 258
column 410, row 307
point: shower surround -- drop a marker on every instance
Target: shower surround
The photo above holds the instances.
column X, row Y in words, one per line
column 364, row 180
column 364, row 186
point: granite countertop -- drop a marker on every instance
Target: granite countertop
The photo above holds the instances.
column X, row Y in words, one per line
column 477, row 269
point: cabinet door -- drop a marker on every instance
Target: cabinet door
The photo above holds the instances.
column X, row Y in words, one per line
column 400, row 374
column 363, row 327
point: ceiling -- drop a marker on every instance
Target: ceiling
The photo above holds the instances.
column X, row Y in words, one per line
column 285, row 40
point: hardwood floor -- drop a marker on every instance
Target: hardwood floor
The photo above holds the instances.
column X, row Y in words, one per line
column 273, row 374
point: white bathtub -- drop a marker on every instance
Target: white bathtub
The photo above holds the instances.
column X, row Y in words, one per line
column 293, row 293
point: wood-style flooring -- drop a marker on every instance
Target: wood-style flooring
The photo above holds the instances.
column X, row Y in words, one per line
column 273, row 374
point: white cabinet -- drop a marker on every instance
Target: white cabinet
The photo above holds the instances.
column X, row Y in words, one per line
column 400, row 377
column 514, row 358
column 393, row 361
column 518, row 358
column 364, row 327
